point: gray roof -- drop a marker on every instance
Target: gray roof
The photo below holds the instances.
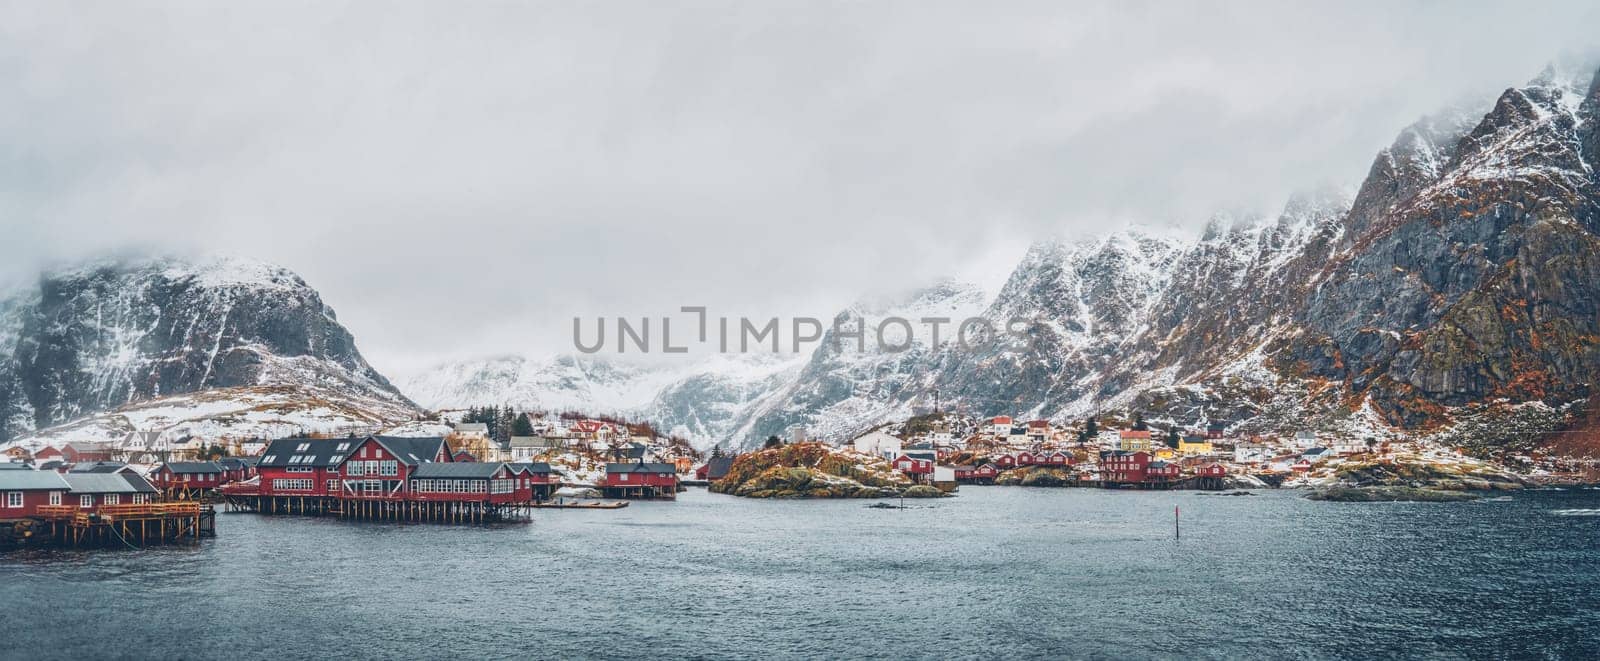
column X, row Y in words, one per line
column 530, row 467
column 472, row 426
column 533, row 442
column 14, row 466
column 717, row 467
column 641, row 468
column 466, row 470
column 99, row 467
column 319, row 452
column 194, row 467
column 107, row 483
column 31, row 480
column 413, row 449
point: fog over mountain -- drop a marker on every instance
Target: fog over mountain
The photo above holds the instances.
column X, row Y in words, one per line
column 462, row 188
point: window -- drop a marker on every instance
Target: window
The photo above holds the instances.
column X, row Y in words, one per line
column 333, row 485
column 302, row 447
column 269, row 458
column 113, row 499
column 55, row 498
column 390, row 468
column 623, row 477
column 14, row 498
column 86, row 500
column 293, row 484
column 342, row 447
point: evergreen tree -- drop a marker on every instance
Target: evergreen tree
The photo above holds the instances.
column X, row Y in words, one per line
column 521, row 426
column 1091, row 428
column 1172, row 438
column 773, row 442
column 1138, row 423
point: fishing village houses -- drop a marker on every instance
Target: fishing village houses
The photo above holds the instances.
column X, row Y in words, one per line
column 1139, row 456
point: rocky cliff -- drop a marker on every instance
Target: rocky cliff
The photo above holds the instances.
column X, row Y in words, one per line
column 94, row 338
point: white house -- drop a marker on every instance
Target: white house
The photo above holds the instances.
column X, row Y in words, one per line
column 1245, row 453
column 1348, row 446
column 878, row 444
column 1305, row 440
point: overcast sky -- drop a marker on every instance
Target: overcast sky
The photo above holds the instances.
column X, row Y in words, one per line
column 464, row 178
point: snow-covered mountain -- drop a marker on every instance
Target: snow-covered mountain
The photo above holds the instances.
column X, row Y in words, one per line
column 96, row 337
column 1464, row 271
column 693, row 397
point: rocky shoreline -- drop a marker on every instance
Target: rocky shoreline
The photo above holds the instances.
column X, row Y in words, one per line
column 814, row 470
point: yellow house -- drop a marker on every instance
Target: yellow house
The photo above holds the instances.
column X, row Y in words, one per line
column 1194, row 445
column 1164, row 452
column 1130, row 440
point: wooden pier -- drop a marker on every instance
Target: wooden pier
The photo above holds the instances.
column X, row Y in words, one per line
column 132, row 525
column 400, row 510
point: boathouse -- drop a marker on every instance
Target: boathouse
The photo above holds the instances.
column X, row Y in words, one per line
column 640, row 480
column 187, row 479
column 536, row 481
column 1125, row 467
column 914, row 465
column 93, row 491
column 714, row 469
column 379, row 466
column 23, row 491
column 237, row 469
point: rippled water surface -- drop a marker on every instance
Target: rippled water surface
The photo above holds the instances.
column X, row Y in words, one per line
column 997, row 572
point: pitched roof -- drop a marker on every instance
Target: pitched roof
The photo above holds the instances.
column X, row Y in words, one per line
column 472, row 427
column 717, row 467
column 533, row 442
column 465, row 470
column 317, row 452
column 412, row 450
column 530, row 467
column 233, row 463
column 640, row 468
column 14, row 466
column 30, row 480
column 107, row 483
column 194, row 467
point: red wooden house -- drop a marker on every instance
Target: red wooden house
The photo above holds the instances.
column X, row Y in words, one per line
column 981, row 473
column 1161, row 471
column 714, row 469
column 91, row 491
column 536, row 481
column 1124, row 467
column 380, row 466
column 913, row 466
column 23, row 491
column 302, row 467
column 237, row 469
column 468, row 481
column 1026, row 458
column 641, row 479
column 188, row 477
column 1005, row 461
column 1212, row 469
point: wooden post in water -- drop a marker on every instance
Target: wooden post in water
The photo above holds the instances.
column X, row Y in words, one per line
column 1175, row 532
